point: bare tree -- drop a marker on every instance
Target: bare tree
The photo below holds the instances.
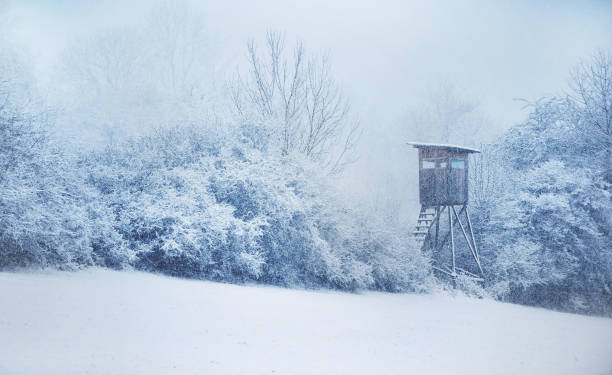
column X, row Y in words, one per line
column 118, row 82
column 591, row 85
column 21, row 133
column 446, row 117
column 299, row 98
column 16, row 133
column 179, row 44
column 106, row 62
column 487, row 176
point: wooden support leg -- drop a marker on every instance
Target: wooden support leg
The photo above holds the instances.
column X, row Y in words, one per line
column 452, row 237
column 438, row 212
column 467, row 214
column 474, row 254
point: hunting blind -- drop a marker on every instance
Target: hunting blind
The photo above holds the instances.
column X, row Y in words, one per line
column 443, row 191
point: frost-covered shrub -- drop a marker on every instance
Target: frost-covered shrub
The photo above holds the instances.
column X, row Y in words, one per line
column 546, row 237
column 229, row 212
column 208, row 203
column 544, row 243
column 42, row 216
column 42, row 221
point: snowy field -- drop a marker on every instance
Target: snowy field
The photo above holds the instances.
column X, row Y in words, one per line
column 104, row 322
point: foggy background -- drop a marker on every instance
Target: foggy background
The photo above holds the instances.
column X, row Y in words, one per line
column 392, row 58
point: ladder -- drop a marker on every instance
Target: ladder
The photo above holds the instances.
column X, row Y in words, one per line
column 426, row 218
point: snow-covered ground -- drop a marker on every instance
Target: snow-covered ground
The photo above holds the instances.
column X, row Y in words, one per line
column 104, row 322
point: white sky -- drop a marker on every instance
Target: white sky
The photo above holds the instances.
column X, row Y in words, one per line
column 388, row 54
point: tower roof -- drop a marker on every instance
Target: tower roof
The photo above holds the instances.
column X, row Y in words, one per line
column 443, row 146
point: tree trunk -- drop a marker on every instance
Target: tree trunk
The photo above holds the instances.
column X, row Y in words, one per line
column 608, row 161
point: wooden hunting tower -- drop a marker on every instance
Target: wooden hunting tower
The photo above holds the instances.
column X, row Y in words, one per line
column 443, row 185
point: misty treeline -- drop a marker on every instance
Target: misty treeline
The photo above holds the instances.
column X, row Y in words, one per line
column 186, row 179
column 143, row 155
column 543, row 199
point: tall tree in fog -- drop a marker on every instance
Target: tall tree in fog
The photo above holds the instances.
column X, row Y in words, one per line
column 546, row 237
column 487, row 178
column 296, row 96
column 122, row 81
column 591, row 84
column 21, row 115
column 41, row 214
column 446, row 116
column 180, row 50
column 21, row 132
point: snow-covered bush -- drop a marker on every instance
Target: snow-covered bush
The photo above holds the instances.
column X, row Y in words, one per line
column 41, row 214
column 188, row 203
column 199, row 202
column 546, row 239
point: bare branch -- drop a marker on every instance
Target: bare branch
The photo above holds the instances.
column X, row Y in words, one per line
column 298, row 96
column 591, row 97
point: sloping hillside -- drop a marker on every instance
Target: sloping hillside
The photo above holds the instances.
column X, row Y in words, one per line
column 104, row 322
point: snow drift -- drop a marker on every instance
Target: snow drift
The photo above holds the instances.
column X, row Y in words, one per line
column 106, row 322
